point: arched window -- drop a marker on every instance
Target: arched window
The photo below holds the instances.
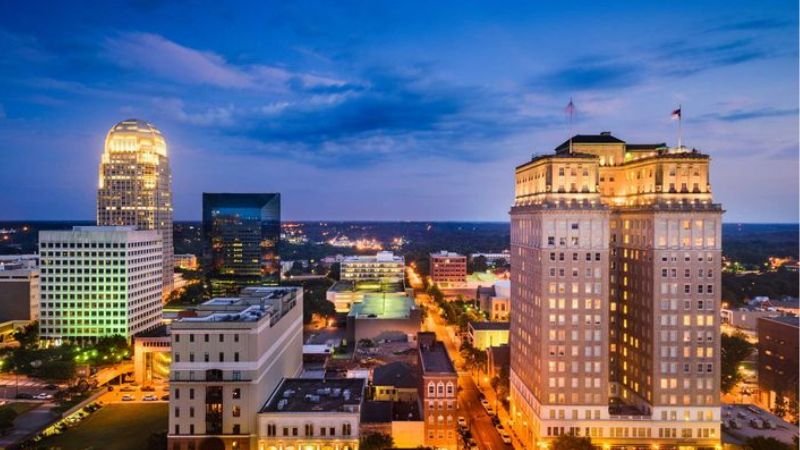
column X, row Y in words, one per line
column 440, row 389
column 431, row 388
column 449, row 389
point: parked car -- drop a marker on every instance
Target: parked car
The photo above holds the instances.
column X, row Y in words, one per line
column 147, row 389
column 51, row 387
column 484, row 403
column 127, row 398
column 462, row 422
column 499, row 428
column 150, row 398
column 505, row 437
column 43, row 396
column 490, row 411
column 127, row 389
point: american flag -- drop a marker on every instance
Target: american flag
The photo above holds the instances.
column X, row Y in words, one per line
column 570, row 109
column 677, row 113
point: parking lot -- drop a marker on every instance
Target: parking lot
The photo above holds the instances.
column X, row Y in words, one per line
column 751, row 421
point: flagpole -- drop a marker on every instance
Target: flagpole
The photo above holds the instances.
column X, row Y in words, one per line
column 571, row 112
column 680, row 127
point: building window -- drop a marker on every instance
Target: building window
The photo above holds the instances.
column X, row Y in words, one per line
column 236, row 411
column 237, row 393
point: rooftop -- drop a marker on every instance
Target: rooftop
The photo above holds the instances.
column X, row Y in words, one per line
column 788, row 320
column 446, row 254
column 434, row 358
column 315, row 395
column 367, row 286
column 395, row 305
column 397, row 374
column 378, row 257
column 385, row 412
column 490, row 326
column 254, row 304
column 603, row 138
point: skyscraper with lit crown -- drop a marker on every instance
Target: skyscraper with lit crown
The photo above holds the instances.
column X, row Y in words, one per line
column 135, row 185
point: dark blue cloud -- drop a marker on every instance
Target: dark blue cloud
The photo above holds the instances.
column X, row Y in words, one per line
column 741, row 115
column 578, row 77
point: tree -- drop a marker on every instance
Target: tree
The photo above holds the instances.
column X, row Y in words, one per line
column 157, row 441
column 765, row 443
column 28, row 337
column 569, row 442
column 780, row 405
column 376, row 441
column 734, row 350
column 479, row 264
column 7, row 416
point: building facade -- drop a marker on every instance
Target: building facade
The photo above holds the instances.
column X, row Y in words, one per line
column 778, row 359
column 99, row 281
column 312, row 414
column 448, row 269
column 383, row 267
column 135, row 185
column 615, row 258
column 19, row 292
column 226, row 362
column 439, row 393
column 240, row 241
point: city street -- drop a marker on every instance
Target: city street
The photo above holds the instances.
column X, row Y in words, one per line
column 479, row 422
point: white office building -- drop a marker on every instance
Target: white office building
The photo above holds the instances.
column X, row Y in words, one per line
column 99, row 281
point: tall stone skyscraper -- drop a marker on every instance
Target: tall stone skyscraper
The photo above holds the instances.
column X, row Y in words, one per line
column 135, row 185
column 615, row 292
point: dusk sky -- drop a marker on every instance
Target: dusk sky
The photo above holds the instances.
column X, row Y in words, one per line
column 391, row 110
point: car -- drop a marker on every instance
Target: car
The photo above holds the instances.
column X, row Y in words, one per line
column 149, row 398
column 499, row 428
column 51, row 387
column 24, row 396
column 484, row 403
column 127, row 398
column 505, row 437
column 127, row 389
column 462, row 422
column 165, row 397
column 147, row 389
column 43, row 396
column 490, row 411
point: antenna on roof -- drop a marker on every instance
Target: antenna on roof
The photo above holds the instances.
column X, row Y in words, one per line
column 570, row 109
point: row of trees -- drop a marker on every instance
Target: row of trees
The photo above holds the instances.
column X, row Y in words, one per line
column 58, row 363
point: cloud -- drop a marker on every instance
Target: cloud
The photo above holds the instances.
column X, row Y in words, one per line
column 214, row 116
column 388, row 114
column 169, row 60
column 155, row 54
column 595, row 76
column 752, row 25
column 740, row 115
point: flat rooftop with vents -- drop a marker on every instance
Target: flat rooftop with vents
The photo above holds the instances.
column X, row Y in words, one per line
column 315, row 395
